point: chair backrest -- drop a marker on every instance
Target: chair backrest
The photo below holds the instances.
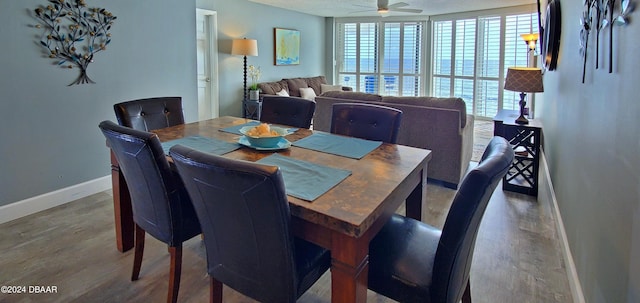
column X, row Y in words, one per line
column 149, row 114
column 245, row 218
column 455, row 249
column 366, row 121
column 292, row 111
column 152, row 186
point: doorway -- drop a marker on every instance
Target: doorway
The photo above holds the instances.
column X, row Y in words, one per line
column 207, row 64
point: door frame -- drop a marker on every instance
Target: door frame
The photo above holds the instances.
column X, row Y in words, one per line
column 211, row 21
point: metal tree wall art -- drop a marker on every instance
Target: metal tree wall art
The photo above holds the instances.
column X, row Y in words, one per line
column 598, row 15
column 74, row 33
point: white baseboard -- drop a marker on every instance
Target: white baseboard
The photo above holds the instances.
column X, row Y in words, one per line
column 35, row 204
column 547, row 189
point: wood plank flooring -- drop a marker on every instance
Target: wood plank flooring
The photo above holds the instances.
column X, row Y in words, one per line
column 517, row 258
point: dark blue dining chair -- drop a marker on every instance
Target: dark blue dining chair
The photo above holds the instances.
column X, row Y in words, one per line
column 150, row 113
column 292, row 111
column 366, row 121
column 411, row 261
column 161, row 205
column 246, row 222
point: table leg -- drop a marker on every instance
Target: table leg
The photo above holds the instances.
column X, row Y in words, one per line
column 121, row 208
column 349, row 268
column 417, row 198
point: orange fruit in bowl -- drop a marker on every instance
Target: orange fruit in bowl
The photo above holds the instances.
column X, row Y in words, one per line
column 263, row 128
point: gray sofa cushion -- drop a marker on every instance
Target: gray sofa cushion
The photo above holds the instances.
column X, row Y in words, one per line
column 271, row 88
column 316, row 83
column 446, row 103
column 294, row 86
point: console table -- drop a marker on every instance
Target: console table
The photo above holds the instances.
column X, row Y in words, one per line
column 525, row 139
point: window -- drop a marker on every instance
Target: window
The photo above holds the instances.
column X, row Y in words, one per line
column 471, row 55
column 381, row 57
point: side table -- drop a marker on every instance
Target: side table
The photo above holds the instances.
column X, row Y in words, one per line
column 251, row 109
column 525, row 139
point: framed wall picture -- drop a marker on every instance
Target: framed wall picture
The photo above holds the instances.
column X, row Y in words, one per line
column 287, row 46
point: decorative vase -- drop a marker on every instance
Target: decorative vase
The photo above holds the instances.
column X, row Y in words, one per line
column 254, row 95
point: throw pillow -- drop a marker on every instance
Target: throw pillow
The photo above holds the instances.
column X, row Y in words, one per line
column 330, row 88
column 308, row 93
column 283, row 93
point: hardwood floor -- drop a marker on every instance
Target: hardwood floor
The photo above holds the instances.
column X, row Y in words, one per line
column 72, row 247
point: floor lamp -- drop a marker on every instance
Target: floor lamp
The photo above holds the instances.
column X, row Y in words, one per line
column 523, row 80
column 244, row 47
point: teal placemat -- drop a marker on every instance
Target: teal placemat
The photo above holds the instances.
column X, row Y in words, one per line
column 207, row 145
column 338, row 145
column 236, row 128
column 306, row 180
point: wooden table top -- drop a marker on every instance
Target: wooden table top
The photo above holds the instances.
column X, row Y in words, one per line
column 376, row 186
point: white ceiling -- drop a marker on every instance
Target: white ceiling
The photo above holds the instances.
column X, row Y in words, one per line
column 356, row 8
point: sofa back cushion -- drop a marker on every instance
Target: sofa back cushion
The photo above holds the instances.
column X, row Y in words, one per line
column 446, row 103
column 272, row 88
column 353, row 96
column 316, row 83
column 295, row 84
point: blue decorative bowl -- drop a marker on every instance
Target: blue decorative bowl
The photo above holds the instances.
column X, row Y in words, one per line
column 265, row 142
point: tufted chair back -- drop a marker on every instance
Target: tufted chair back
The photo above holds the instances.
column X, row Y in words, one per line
column 160, row 203
column 412, row 261
column 292, row 111
column 455, row 249
column 246, row 222
column 159, row 200
column 151, row 113
column 366, row 121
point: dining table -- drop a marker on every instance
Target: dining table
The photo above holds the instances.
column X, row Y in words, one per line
column 343, row 220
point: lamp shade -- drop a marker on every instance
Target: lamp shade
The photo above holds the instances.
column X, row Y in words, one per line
column 530, row 39
column 524, row 79
column 244, row 47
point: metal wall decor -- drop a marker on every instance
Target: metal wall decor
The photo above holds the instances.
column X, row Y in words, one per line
column 600, row 15
column 73, row 33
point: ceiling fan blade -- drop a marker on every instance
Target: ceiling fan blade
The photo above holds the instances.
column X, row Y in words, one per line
column 364, row 11
column 365, row 6
column 398, row 5
column 406, row 10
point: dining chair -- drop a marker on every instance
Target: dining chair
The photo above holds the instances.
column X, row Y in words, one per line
column 150, row 113
column 366, row 121
column 291, row 111
column 161, row 205
column 411, row 261
column 246, row 222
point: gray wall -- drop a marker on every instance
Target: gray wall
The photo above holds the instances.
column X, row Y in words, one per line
column 49, row 131
column 592, row 143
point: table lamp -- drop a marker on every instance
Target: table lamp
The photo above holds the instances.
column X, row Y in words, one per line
column 523, row 80
column 244, row 47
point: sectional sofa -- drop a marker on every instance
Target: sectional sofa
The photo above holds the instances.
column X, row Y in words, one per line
column 441, row 125
column 293, row 86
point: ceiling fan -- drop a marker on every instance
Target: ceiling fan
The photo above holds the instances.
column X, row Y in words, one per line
column 384, row 8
